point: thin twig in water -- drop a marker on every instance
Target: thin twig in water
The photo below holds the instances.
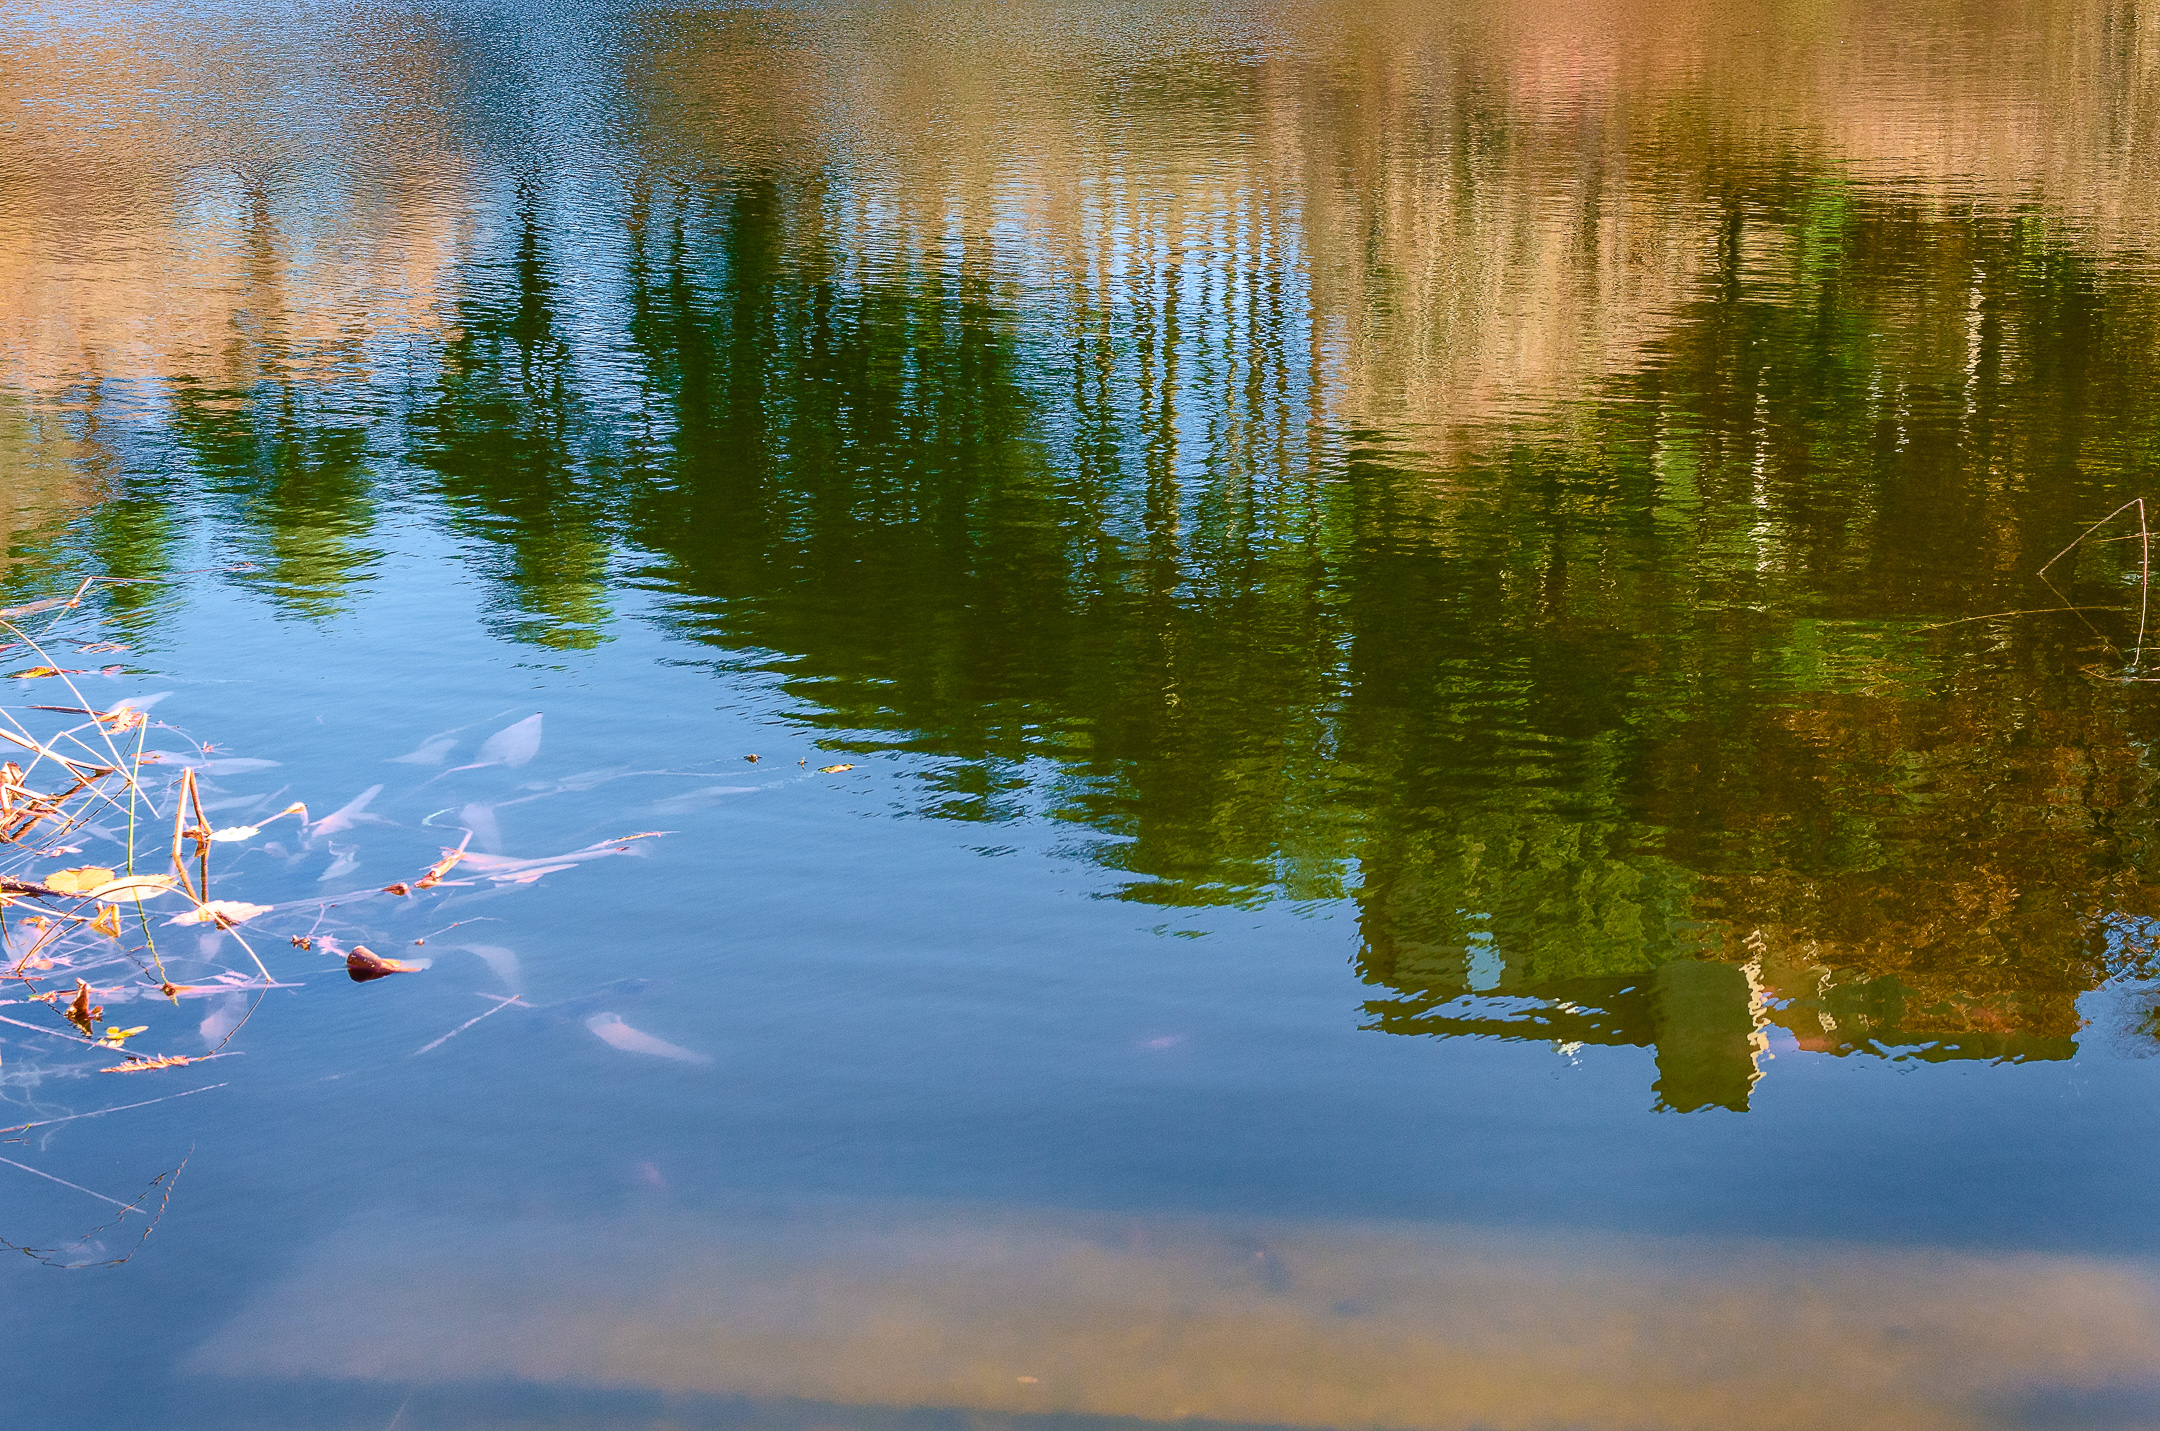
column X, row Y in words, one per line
column 2144, row 538
column 125, row 1207
column 2081, row 536
column 1998, row 615
column 166, row 1179
column 503, row 1002
column 2144, row 583
column 101, row 1112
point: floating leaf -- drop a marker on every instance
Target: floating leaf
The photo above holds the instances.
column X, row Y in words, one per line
column 529, row 876
column 833, row 769
column 116, row 1037
column 441, row 867
column 81, row 880
column 751, row 758
column 236, row 832
column 400, row 889
column 144, row 1065
column 611, row 1030
column 134, row 888
column 430, row 751
column 513, row 745
column 348, row 815
column 224, row 913
column 363, row 964
column 81, row 1012
column 33, row 673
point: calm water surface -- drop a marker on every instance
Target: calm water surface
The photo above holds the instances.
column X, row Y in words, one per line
column 1436, row 825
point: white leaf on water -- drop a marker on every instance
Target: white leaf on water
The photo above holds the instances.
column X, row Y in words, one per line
column 223, row 1019
column 429, row 752
column 233, row 911
column 612, row 1031
column 530, row 875
column 499, row 865
column 344, row 818
column 704, row 795
column 480, row 819
column 133, row 889
column 503, row 962
column 513, row 745
column 237, row 765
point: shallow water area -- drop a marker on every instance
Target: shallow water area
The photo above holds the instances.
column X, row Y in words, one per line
column 1273, row 714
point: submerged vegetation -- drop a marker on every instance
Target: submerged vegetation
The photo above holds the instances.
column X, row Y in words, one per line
column 126, row 951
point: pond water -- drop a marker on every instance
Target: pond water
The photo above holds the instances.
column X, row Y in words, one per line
column 1391, row 788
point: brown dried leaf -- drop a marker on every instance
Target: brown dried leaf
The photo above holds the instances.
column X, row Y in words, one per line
column 363, row 964
column 32, row 673
column 144, row 1065
column 400, row 889
column 301, row 941
column 82, row 1013
column 441, row 867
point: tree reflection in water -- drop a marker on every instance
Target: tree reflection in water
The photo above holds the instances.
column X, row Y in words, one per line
column 1618, row 700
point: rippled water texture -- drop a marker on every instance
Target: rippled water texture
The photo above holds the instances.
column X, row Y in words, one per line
column 1419, row 762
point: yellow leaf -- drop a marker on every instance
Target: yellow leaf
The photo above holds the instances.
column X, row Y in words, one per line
column 81, row 880
column 833, row 769
column 108, row 921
